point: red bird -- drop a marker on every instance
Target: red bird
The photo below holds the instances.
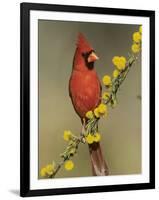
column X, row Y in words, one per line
column 85, row 93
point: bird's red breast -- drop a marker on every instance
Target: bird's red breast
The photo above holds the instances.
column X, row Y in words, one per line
column 85, row 91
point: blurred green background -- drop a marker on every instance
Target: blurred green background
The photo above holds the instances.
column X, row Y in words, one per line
column 121, row 131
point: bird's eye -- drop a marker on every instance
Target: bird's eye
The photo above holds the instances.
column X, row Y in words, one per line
column 84, row 54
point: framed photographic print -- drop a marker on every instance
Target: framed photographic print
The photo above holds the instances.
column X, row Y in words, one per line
column 87, row 99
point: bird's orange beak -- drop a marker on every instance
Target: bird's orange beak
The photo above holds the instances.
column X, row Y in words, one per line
column 92, row 57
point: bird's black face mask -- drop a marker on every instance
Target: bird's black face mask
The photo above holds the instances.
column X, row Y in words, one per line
column 90, row 65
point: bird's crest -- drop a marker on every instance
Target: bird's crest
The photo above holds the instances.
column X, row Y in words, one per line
column 83, row 44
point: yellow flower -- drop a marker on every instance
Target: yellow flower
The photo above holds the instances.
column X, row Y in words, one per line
column 122, row 63
column 140, row 29
column 89, row 115
column 89, row 139
column 136, row 37
column 50, row 169
column 67, row 135
column 119, row 62
column 102, row 108
column 43, row 172
column 135, row 48
column 123, row 59
column 115, row 60
column 97, row 137
column 96, row 113
column 69, row 165
column 47, row 170
column 106, row 95
column 115, row 73
column 107, row 80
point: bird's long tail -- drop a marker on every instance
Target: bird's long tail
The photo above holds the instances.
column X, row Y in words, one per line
column 99, row 165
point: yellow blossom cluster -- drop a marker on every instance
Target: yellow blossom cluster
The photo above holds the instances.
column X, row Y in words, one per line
column 101, row 110
column 116, row 73
column 90, row 138
column 67, row 135
column 89, row 115
column 137, row 37
column 107, row 80
column 48, row 170
column 119, row 62
column 69, row 165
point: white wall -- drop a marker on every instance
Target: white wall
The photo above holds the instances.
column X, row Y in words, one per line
column 9, row 98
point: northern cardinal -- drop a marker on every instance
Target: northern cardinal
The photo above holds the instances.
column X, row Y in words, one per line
column 85, row 93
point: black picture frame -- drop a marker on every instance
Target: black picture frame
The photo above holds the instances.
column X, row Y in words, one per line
column 25, row 9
